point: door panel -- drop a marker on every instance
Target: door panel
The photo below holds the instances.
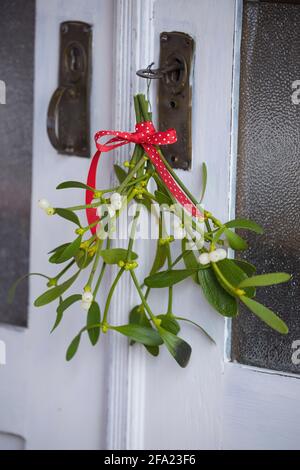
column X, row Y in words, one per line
column 268, row 169
column 215, row 403
column 261, row 406
column 184, row 405
column 50, row 403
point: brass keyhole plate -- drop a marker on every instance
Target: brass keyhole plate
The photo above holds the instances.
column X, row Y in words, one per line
column 175, row 96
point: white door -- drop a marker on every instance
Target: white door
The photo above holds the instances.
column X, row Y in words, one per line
column 215, row 402
column 47, row 403
column 151, row 403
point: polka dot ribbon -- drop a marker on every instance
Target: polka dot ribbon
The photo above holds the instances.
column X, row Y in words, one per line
column 146, row 136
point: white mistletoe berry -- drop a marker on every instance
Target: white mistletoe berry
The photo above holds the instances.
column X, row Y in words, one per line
column 204, row 258
column 44, row 204
column 222, row 253
column 87, row 297
column 214, row 256
column 116, row 201
column 179, row 233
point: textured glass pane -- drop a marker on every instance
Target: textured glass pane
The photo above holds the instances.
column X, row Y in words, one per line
column 16, row 70
column 268, row 185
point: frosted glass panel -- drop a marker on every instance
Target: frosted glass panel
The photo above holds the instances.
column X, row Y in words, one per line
column 16, row 70
column 268, row 175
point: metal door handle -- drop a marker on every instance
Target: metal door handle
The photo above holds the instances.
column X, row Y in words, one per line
column 68, row 117
column 52, row 118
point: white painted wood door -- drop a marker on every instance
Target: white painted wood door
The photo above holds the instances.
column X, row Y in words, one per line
column 151, row 403
column 47, row 403
column 213, row 403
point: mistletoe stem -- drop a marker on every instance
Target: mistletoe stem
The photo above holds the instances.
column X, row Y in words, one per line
column 103, row 268
column 170, row 301
column 85, row 229
column 229, row 286
column 99, row 279
column 142, row 297
column 59, row 275
column 110, row 294
column 130, row 175
column 179, row 258
column 147, row 292
column 96, row 262
column 84, row 206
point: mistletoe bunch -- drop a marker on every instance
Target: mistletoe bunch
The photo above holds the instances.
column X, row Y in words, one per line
column 203, row 258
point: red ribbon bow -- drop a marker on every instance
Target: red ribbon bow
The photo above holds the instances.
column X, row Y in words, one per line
column 146, row 136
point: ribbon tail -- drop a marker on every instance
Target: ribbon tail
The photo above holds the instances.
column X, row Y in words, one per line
column 170, row 183
column 91, row 213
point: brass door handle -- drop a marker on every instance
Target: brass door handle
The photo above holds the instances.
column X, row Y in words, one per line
column 68, row 116
column 52, row 118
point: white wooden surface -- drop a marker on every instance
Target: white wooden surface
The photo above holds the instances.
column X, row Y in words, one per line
column 261, row 409
column 151, row 403
column 184, row 406
column 51, row 403
column 212, row 404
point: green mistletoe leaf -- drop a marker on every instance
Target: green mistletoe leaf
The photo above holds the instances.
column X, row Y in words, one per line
column 63, row 306
column 121, row 174
column 190, row 260
column 233, row 274
column 245, row 224
column 169, row 323
column 55, row 292
column 265, row 280
column 168, row 278
column 153, row 350
column 68, row 215
column 218, row 298
column 248, row 268
column 180, row 349
column 137, row 316
column 235, row 241
column 189, row 257
column 70, row 251
column 58, row 248
column 83, row 258
column 114, row 255
column 93, row 317
column 160, row 257
column 162, row 198
column 72, row 349
column 204, row 181
column 57, row 253
column 266, row 315
column 140, row 334
column 74, row 184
